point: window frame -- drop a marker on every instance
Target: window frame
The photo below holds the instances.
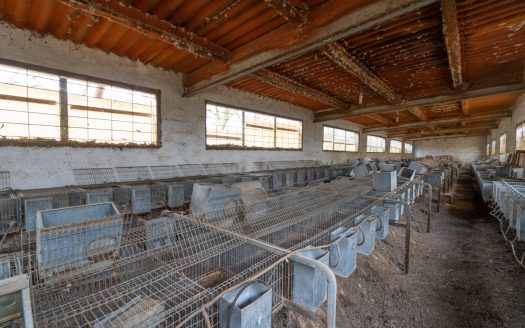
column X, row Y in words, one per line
column 516, row 135
column 390, row 146
column 64, row 117
column 341, row 151
column 234, row 147
column 500, row 138
column 493, row 145
column 375, row 152
column 404, row 148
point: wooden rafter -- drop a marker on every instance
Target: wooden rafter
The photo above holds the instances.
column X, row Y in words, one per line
column 477, row 118
column 446, row 130
column 350, row 64
column 419, row 113
column 406, row 105
column 289, row 12
column 286, row 83
column 151, row 26
column 380, row 118
column 448, row 136
column 452, row 41
column 275, row 47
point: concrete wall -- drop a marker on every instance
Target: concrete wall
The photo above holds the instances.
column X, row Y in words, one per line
column 464, row 149
column 183, row 124
column 508, row 125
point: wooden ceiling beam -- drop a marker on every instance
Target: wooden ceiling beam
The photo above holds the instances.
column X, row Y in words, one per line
column 338, row 54
column 448, row 136
column 454, row 130
column 452, row 41
column 419, row 113
column 283, row 82
column 288, row 11
column 406, row 105
column 326, row 25
column 380, row 118
column 476, row 118
column 150, row 26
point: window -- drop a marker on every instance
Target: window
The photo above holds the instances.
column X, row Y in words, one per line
column 503, row 143
column 408, row 148
column 375, row 144
column 493, row 148
column 45, row 106
column 340, row 140
column 520, row 136
column 237, row 128
column 395, row 146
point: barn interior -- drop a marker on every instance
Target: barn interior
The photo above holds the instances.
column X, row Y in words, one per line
column 262, row 163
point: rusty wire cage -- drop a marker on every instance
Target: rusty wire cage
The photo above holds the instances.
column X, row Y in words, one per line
column 300, row 218
column 157, row 274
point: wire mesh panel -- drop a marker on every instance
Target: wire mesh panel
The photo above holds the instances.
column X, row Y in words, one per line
column 9, row 212
column 92, row 176
column 138, row 285
column 133, row 173
column 5, row 179
column 220, row 168
column 60, row 197
column 191, row 170
column 297, row 219
column 165, row 171
column 517, row 186
column 259, row 166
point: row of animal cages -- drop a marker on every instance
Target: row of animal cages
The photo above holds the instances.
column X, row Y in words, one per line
column 18, row 208
column 89, row 270
column 509, row 204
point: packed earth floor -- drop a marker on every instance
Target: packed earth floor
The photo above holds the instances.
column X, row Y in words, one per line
column 462, row 274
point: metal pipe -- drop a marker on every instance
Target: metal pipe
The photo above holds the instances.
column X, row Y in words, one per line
column 331, row 299
column 429, row 214
column 407, row 230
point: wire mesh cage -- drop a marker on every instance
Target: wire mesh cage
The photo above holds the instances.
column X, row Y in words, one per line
column 191, row 170
column 5, row 179
column 220, row 168
column 165, row 171
column 133, row 173
column 300, row 218
column 160, row 275
column 58, row 197
column 9, row 211
column 93, row 176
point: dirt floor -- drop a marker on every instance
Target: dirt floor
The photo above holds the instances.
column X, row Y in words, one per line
column 462, row 274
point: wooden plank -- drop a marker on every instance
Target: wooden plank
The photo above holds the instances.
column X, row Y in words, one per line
column 406, row 105
column 150, row 26
column 459, row 135
column 286, row 83
column 379, row 118
column 445, row 130
column 452, row 41
column 419, row 113
column 13, row 284
column 350, row 64
column 476, row 118
column 289, row 12
column 325, row 26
